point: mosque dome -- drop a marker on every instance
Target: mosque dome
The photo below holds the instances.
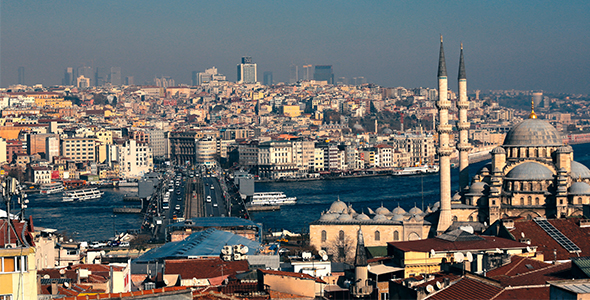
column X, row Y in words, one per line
column 579, row 188
column 338, row 207
column 477, row 187
column 387, row 131
column 498, row 150
column 530, row 171
column 345, row 217
column 379, row 218
column 415, row 211
column 397, row 218
column 398, row 211
column 382, row 211
column 362, row 217
column 533, row 132
column 579, row 170
column 329, row 217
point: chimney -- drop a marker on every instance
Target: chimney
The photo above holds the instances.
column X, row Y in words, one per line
column 54, row 290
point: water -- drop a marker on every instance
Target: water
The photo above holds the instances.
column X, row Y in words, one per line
column 84, row 221
column 313, row 197
column 92, row 220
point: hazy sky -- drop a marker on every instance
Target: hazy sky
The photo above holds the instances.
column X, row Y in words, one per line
column 524, row 45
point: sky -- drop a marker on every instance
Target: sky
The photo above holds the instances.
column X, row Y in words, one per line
column 522, row 45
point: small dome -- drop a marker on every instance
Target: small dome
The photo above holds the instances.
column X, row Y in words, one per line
column 382, row 210
column 533, row 132
column 362, row 217
column 498, row 150
column 397, row 218
column 579, row 170
column 351, row 210
column 387, row 131
column 477, row 187
column 379, row 218
column 579, row 188
column 345, row 217
column 417, row 218
column 329, row 217
column 338, row 207
column 398, row 211
column 530, row 171
column 565, row 149
column 415, row 211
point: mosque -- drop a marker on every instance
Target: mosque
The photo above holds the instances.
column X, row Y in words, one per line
column 533, row 174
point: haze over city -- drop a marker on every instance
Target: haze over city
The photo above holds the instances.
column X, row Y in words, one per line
column 523, row 45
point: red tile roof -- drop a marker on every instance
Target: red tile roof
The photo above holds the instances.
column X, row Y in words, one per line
column 7, row 235
column 436, row 244
column 292, row 274
column 546, row 244
column 524, row 293
column 518, row 265
column 205, row 267
column 468, row 288
column 129, row 294
column 538, row 277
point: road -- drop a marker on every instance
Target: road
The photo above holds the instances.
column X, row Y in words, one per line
column 216, row 206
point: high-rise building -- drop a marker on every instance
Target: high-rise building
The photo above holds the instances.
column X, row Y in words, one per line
column 247, row 71
column 294, row 74
column 307, row 72
column 129, row 80
column 324, row 73
column 21, row 75
column 194, row 76
column 267, row 78
column 100, row 76
column 68, row 76
column 115, row 76
column 87, row 73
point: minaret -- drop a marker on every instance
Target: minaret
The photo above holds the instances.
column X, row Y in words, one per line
column 361, row 286
column 463, row 146
column 444, row 150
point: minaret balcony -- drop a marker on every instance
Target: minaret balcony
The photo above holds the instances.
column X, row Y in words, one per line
column 445, row 151
column 443, row 104
column 445, row 128
column 463, row 125
column 463, row 104
column 464, row 147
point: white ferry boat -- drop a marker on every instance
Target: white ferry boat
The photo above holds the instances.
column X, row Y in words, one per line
column 272, row 198
column 52, row 188
column 82, row 195
column 425, row 169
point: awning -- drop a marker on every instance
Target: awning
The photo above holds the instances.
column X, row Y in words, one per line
column 383, row 269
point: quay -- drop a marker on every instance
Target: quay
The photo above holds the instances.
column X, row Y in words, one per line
column 127, row 210
column 263, row 208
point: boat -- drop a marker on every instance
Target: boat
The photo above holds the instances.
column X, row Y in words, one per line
column 52, row 188
column 272, row 198
column 82, row 195
column 425, row 169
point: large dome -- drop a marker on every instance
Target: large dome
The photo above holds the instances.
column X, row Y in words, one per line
column 579, row 188
column 530, row 171
column 338, row 207
column 579, row 170
column 533, row 132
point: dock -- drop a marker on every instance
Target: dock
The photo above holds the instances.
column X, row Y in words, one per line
column 127, row 210
column 131, row 199
column 263, row 208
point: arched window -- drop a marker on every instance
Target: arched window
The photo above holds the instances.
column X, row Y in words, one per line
column 455, row 218
column 377, row 235
column 324, row 236
column 341, row 235
column 396, row 236
column 529, row 200
column 536, row 200
column 521, row 200
column 579, row 200
column 470, row 218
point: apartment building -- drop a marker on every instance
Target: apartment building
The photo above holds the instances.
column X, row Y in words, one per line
column 79, row 149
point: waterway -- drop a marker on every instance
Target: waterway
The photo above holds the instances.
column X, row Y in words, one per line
column 93, row 220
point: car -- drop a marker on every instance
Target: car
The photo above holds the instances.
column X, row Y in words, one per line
column 177, row 207
column 208, row 198
column 212, row 187
column 178, row 192
column 214, row 204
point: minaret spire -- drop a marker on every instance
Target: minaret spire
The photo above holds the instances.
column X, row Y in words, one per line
column 462, row 74
column 442, row 66
column 463, row 125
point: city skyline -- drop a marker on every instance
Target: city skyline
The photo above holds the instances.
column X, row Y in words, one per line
column 520, row 45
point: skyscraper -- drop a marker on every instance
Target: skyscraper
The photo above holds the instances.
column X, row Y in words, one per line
column 267, row 78
column 294, row 74
column 115, row 76
column 324, row 73
column 21, row 75
column 68, row 76
column 194, row 78
column 129, row 80
column 247, row 71
column 307, row 72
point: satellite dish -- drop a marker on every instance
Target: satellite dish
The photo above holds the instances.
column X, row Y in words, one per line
column 46, row 276
column 62, row 271
column 438, row 285
column 244, row 250
column 323, row 254
column 67, row 284
column 432, row 252
column 429, row 288
column 528, row 249
column 485, row 224
column 498, row 250
column 325, row 257
column 522, row 234
column 458, row 257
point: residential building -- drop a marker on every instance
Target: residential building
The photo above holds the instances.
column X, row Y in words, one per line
column 135, row 159
column 247, row 71
column 79, row 149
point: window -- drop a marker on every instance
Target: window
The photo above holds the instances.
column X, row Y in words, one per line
column 579, row 200
column 324, row 236
column 521, row 201
column 529, row 200
column 396, row 235
column 5, row 297
column 377, row 235
column 536, row 200
column 341, row 252
column 341, row 235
